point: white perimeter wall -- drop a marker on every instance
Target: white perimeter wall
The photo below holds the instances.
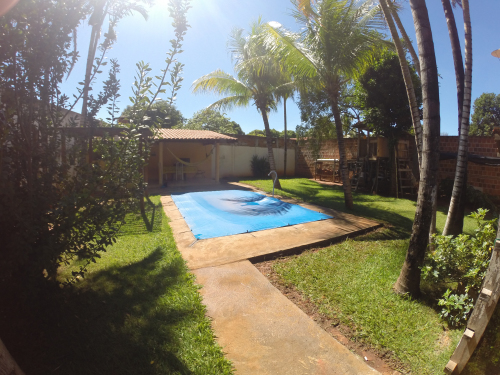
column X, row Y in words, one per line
column 235, row 160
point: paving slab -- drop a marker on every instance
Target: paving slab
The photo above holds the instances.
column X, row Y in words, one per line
column 262, row 332
column 227, row 249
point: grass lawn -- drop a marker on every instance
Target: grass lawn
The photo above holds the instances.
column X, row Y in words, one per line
column 351, row 281
column 137, row 311
column 399, row 213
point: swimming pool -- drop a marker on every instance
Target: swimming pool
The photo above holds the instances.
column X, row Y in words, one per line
column 223, row 213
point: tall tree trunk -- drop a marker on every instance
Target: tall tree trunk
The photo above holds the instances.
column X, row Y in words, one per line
column 284, row 160
column 269, row 141
column 344, row 171
column 432, row 230
column 455, row 217
column 409, row 278
column 405, row 69
column 96, row 20
column 414, row 56
column 94, row 40
column 7, row 364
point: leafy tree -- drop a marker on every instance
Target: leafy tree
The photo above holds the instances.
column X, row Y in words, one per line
column 161, row 114
column 381, row 96
column 317, row 116
column 114, row 10
column 35, row 40
column 56, row 207
column 258, row 133
column 338, row 39
column 262, row 133
column 208, row 119
column 390, row 11
column 289, row 134
column 486, row 114
column 258, row 80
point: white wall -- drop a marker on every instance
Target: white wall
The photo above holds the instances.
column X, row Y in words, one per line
column 235, row 160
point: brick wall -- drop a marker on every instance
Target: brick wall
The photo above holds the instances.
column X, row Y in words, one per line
column 256, row 141
column 304, row 158
column 482, row 177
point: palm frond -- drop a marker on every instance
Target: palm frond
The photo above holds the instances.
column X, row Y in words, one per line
column 346, row 35
column 230, row 102
column 287, row 48
column 220, row 83
column 305, row 7
column 124, row 8
column 236, row 44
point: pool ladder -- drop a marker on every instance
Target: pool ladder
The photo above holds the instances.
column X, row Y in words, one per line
column 275, row 178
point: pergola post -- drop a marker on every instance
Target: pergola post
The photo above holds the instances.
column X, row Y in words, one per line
column 217, row 161
column 160, row 162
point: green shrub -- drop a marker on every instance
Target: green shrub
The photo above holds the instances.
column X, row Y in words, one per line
column 260, row 166
column 461, row 262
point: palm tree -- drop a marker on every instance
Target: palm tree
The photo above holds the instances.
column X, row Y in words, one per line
column 394, row 12
column 258, row 80
column 455, row 217
column 389, row 15
column 284, row 92
column 409, row 278
column 338, row 39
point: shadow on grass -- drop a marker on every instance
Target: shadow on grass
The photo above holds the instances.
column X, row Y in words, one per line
column 138, row 223
column 120, row 326
column 366, row 206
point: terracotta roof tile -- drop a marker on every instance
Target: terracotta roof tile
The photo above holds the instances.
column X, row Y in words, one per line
column 186, row 134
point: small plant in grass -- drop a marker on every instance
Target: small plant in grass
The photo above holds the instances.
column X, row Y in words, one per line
column 260, row 166
column 461, row 262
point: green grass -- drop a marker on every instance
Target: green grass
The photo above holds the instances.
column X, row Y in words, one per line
column 138, row 311
column 151, row 221
column 399, row 213
column 352, row 281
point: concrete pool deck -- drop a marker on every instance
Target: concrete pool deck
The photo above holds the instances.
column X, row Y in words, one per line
column 270, row 242
column 259, row 329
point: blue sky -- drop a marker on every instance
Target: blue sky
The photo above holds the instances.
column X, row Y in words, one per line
column 205, row 51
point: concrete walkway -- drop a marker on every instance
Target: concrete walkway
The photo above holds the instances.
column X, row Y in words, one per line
column 259, row 329
column 262, row 332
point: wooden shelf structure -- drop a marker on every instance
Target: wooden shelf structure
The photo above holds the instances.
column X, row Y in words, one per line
column 326, row 169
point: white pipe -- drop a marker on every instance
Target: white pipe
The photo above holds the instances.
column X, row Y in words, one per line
column 275, row 178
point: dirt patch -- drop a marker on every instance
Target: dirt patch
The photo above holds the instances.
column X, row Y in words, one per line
column 382, row 361
column 444, row 340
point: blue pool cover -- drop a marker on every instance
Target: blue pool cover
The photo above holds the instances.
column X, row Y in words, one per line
column 223, row 213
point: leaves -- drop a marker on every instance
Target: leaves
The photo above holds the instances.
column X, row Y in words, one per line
column 486, row 114
column 54, row 207
column 461, row 261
